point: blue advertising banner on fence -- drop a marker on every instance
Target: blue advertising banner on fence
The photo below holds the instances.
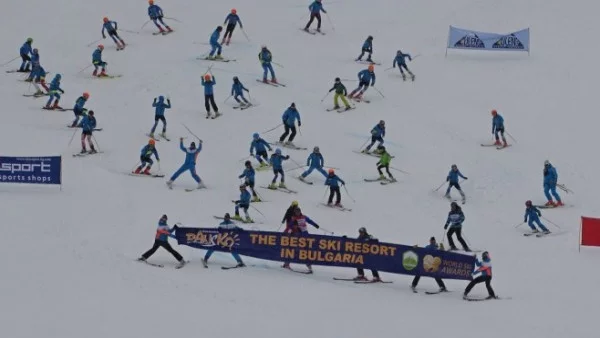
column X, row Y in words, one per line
column 468, row 39
column 32, row 170
column 331, row 251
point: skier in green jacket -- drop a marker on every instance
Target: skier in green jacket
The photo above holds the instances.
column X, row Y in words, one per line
column 384, row 162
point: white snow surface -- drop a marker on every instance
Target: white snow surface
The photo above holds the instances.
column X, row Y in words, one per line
column 69, row 269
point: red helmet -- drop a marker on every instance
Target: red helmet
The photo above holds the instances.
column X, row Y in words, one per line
column 233, row 11
column 331, row 171
column 528, row 203
column 86, row 95
column 101, row 47
column 207, row 77
column 494, row 112
column 105, row 19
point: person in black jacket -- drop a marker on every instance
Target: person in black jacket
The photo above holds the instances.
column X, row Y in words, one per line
column 433, row 245
column 365, row 236
column 287, row 218
column 455, row 221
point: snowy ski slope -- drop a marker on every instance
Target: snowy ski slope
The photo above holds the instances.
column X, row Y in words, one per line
column 68, row 265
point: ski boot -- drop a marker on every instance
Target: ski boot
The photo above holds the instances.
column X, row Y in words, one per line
column 217, row 114
column 262, row 165
column 547, row 232
column 286, row 266
column 200, row 186
column 559, row 203
column 248, row 220
column 102, row 73
column 336, row 107
column 147, row 171
column 359, row 278
column 219, row 57
column 240, row 265
column 338, row 204
column 169, row 29
column 92, row 151
column 265, row 80
column 161, row 30
column 443, row 289
column 274, row 80
column 273, row 186
column 376, row 279
column 151, row 135
column 141, row 259
column 550, row 203
column 256, row 199
column 282, row 185
column 382, row 177
column 163, row 135
column 310, row 270
column 138, row 170
column 39, row 93
column 301, row 178
column 83, row 151
column 535, row 231
column 237, row 218
column 181, row 264
column 56, row 106
column 170, row 184
column 403, row 77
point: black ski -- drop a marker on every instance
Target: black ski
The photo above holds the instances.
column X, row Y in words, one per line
column 302, row 180
column 217, row 60
column 144, row 175
column 371, row 281
column 341, row 208
column 151, row 264
column 232, row 267
column 87, row 154
column 436, row 292
column 473, row 299
column 286, row 190
column 308, row 31
column 274, row 84
column 345, row 279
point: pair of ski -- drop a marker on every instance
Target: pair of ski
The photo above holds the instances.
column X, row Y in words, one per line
column 362, row 281
column 107, row 76
column 274, row 84
column 242, row 221
column 36, row 95
column 498, row 147
column 207, row 58
column 382, row 181
column 358, row 99
column 95, row 129
column 537, row 234
column 57, row 108
column 244, row 107
column 286, row 190
column 374, row 154
column 162, row 266
column 341, row 109
column 146, row 175
column 338, row 207
column 312, row 32
column 213, row 117
column 162, row 33
column 289, row 146
column 18, row 71
column 478, row 299
column 158, row 139
column 87, row 154
column 367, row 62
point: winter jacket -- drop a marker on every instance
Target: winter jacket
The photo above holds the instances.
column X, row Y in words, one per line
column 259, row 145
column 290, row 116
column 208, row 85
column 233, row 19
column 453, row 176
column 88, row 123
column 163, row 231
column 277, row 161
column 385, row 159
column 161, row 106
column 110, row 27
column 244, row 198
column 378, row 131
column 334, row 181
column 265, row 57
column 301, row 221
column 249, row 174
column 484, row 266
column 155, row 12
column 339, row 88
column 26, row 49
column 455, row 219
column 497, row 123
column 366, row 76
column 316, row 7
column 97, row 56
column 400, row 59
column 550, row 176
column 190, row 154
column 532, row 213
column 237, row 88
column 214, row 38
column 149, row 150
column 315, row 160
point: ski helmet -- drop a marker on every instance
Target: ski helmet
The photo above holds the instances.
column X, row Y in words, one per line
column 58, row 76
column 485, row 254
column 494, row 112
column 235, row 79
column 193, row 145
column 337, row 79
column 546, row 162
column 380, row 147
column 207, row 77
column 248, row 163
column 233, row 11
column 164, row 218
column 432, row 239
column 453, row 205
column 161, row 98
column 86, row 95
column 294, row 203
column 151, row 142
column 362, row 230
column 219, row 28
column 255, row 135
column 151, row 2
column 278, row 151
column 35, row 51
column 400, row 52
column 382, row 122
column 528, row 203
column 227, row 216
column 263, row 47
column 316, row 149
column 370, row 37
column 293, row 105
column 371, row 68
column 454, row 166
column 331, row 171
column 101, row 47
column 105, row 19
column 29, row 40
column 91, row 112
column 298, row 211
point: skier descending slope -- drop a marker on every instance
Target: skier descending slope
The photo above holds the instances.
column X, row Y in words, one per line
column 38, row 77
column 315, row 161
column 88, row 123
column 289, row 118
column 215, row 45
column 299, row 227
column 498, row 128
column 209, row 97
column 159, row 115
column 231, row 20
column 111, row 28
column 227, row 224
column 333, row 181
column 78, row 109
column 26, row 53
column 237, row 91
column 366, row 77
column 456, row 217
column 384, row 162
column 485, row 268
column 401, row 62
column 145, row 157
column 377, row 135
column 260, row 146
column 265, row 57
column 249, row 176
column 54, row 93
column 340, row 93
column 367, row 47
column 431, row 246
column 35, row 64
column 550, row 180
column 162, row 240
column 243, row 203
column 97, row 62
column 156, row 15
column 191, row 155
column 452, row 180
column 277, row 162
column 533, row 215
column 315, row 13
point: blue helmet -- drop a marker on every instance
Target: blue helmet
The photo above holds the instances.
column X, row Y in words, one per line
column 161, row 98
column 255, row 135
column 278, row 151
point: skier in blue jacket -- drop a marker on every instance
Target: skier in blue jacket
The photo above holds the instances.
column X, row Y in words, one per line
column 366, row 77
column 35, row 58
column 401, row 62
column 111, row 28
column 532, row 217
column 367, row 47
column 38, row 78
column 146, row 157
column 260, row 146
column 226, row 225
column 498, row 128
column 277, row 162
column 162, row 240
column 455, row 220
column 550, row 181
column 54, row 92
column 78, row 109
column 25, row 51
column 265, row 57
column 231, row 20
column 249, row 175
column 215, row 46
column 333, row 181
column 156, row 14
column 314, row 161
column 243, row 203
column 209, row 98
column 191, row 155
column 452, row 180
column 315, row 13
column 289, row 118
column 97, row 61
column 87, row 125
column 159, row 114
column 237, row 91
column 377, row 135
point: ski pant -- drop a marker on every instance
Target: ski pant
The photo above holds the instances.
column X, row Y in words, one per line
column 361, row 272
column 235, row 97
column 373, row 140
column 314, row 16
column 145, row 160
column 362, row 53
column 159, row 118
column 116, row 38
column 25, row 64
column 215, row 47
column 250, row 184
column 311, row 168
column 362, row 87
column 536, row 220
column 403, row 65
column 458, row 231
column 184, row 168
column 337, row 96
column 209, row 100
column 387, row 169
column 277, row 172
column 439, row 282
column 244, row 207
column 287, row 131
column 37, row 82
column 77, row 115
column 501, row 132
column 481, row 279
column 234, row 254
column 457, row 186
column 334, row 191
column 166, row 246
column 53, row 94
column 86, row 135
column 99, row 64
column 551, row 189
column 229, row 31
column 267, row 67
column 156, row 20
column 260, row 155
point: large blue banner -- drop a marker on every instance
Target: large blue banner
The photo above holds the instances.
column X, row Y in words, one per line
column 331, row 251
column 32, row 170
column 468, row 39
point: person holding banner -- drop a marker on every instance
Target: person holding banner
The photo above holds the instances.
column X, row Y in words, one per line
column 485, row 268
column 288, row 217
column 227, row 224
column 363, row 235
column 162, row 240
column 299, row 227
column 433, row 245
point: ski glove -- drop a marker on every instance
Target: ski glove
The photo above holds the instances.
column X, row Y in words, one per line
column 299, row 123
column 316, row 226
column 446, row 226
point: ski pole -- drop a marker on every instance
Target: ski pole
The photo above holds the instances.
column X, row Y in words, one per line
column 564, row 188
column 441, row 185
column 244, row 32
column 277, row 64
column 84, row 69
column 402, row 171
column 228, row 97
column 348, row 193
column 324, row 97
column 145, row 23
column 509, row 135
column 518, row 225
column 188, row 129
column 385, row 70
column 93, row 42
column 330, row 22
column 324, row 193
column 549, row 221
column 159, row 170
column 348, row 80
column 368, row 139
column 72, row 137
column 329, row 232
column 96, row 141
column 253, row 207
column 378, row 92
column 294, row 168
column 128, row 31
column 4, row 64
column 169, row 18
column 270, row 130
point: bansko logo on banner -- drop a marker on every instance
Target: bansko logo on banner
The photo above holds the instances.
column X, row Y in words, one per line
column 468, row 39
column 32, row 170
column 331, row 251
